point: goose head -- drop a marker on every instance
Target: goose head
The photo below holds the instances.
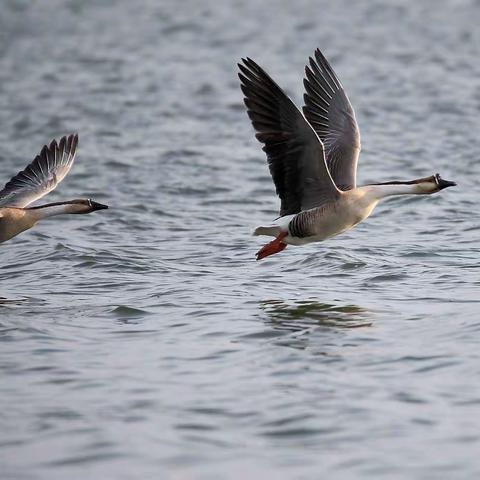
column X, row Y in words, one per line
column 84, row 205
column 433, row 184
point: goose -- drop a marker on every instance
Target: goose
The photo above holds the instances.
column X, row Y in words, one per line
column 312, row 156
column 46, row 171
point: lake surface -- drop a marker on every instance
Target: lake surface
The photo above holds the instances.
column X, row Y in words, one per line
column 145, row 341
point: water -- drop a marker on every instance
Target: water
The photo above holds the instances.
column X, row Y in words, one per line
column 145, row 341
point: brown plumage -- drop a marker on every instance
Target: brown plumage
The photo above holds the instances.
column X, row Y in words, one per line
column 46, row 171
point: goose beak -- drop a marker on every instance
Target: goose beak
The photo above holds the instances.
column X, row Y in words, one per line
column 97, row 206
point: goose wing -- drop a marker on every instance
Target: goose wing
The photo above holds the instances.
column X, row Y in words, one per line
column 295, row 153
column 331, row 114
column 46, row 171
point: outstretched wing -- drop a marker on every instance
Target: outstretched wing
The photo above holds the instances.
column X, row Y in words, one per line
column 294, row 151
column 330, row 113
column 40, row 177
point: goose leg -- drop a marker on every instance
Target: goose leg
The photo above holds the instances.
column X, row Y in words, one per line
column 275, row 246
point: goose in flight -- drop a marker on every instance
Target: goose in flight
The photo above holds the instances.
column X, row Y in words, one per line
column 46, row 171
column 312, row 156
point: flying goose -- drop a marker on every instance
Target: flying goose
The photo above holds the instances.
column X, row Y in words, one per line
column 40, row 177
column 312, row 156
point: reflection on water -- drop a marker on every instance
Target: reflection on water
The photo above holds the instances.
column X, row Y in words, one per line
column 307, row 314
column 12, row 301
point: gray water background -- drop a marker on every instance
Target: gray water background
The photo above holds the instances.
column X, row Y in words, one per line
column 145, row 341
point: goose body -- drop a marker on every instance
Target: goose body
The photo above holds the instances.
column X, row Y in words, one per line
column 319, row 223
column 312, row 156
column 14, row 221
column 39, row 178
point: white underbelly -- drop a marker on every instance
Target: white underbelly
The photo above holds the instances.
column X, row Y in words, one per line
column 331, row 225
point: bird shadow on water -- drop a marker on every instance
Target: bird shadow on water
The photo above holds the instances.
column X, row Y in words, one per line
column 295, row 321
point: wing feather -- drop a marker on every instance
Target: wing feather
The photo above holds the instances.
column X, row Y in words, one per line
column 46, row 171
column 331, row 114
column 294, row 151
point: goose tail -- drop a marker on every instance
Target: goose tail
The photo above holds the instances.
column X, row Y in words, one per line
column 270, row 231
